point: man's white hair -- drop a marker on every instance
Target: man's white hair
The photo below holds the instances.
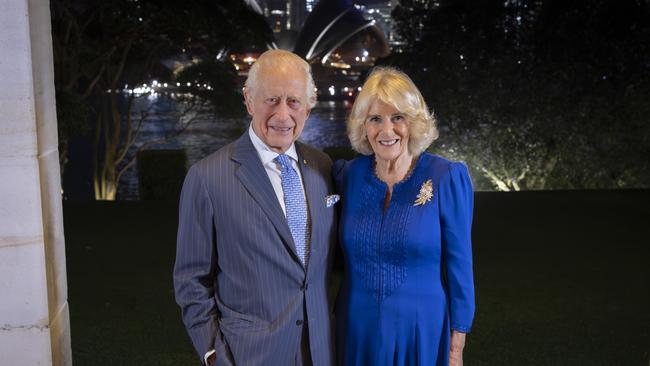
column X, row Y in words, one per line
column 281, row 60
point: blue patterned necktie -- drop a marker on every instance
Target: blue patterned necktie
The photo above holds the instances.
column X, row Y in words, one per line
column 296, row 207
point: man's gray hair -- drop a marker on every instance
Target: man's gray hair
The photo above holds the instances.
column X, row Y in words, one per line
column 281, row 59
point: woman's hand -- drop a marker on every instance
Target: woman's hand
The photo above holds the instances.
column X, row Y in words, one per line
column 456, row 351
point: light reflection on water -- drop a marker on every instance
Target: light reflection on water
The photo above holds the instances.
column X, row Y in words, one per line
column 208, row 133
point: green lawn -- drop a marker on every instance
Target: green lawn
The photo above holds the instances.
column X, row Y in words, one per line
column 562, row 278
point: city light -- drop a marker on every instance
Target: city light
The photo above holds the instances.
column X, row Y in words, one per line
column 340, row 65
column 332, row 90
column 156, row 89
column 141, row 90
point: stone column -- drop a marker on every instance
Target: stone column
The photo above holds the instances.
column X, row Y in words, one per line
column 34, row 317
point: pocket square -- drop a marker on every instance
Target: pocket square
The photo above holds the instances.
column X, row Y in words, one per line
column 331, row 200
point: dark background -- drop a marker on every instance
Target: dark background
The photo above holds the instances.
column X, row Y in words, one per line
column 547, row 99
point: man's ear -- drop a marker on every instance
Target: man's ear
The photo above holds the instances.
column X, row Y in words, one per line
column 248, row 100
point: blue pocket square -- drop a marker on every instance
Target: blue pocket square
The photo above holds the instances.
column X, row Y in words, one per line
column 331, row 200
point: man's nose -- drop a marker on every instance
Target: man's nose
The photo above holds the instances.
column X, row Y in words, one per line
column 282, row 111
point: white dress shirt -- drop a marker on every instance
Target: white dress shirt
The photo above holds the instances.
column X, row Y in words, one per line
column 272, row 168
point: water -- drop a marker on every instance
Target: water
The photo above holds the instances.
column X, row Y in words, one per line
column 207, row 133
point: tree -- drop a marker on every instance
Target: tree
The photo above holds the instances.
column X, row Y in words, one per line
column 537, row 95
column 104, row 47
column 409, row 18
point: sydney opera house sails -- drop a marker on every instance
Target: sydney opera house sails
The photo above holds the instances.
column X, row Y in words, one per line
column 336, row 38
column 334, row 34
column 330, row 25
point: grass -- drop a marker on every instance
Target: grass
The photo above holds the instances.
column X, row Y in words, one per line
column 120, row 258
column 562, row 278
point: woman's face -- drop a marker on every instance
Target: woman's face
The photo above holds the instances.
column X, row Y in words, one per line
column 387, row 130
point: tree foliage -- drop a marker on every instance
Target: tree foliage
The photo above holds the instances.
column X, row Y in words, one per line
column 104, row 47
column 538, row 94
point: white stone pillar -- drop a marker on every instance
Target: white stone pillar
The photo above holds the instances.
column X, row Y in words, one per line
column 34, row 317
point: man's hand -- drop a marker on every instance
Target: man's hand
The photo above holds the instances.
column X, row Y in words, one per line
column 456, row 351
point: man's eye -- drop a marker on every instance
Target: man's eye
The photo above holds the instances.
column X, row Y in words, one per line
column 272, row 100
column 294, row 102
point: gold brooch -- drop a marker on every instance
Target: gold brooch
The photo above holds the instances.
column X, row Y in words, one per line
column 425, row 195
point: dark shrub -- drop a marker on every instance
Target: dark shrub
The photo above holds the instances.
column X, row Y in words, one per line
column 161, row 174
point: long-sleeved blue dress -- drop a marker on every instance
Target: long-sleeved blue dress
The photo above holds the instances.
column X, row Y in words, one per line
column 408, row 269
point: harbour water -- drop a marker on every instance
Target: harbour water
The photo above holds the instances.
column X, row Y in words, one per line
column 206, row 133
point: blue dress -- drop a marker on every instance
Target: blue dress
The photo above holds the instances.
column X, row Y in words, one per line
column 408, row 269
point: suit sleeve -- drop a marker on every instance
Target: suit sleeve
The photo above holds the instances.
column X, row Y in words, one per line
column 194, row 271
column 338, row 174
column 456, row 206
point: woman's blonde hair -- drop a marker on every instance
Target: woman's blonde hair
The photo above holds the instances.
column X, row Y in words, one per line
column 396, row 89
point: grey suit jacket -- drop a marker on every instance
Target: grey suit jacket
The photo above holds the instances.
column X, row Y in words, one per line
column 238, row 280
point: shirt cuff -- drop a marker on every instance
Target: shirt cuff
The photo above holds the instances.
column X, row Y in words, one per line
column 208, row 354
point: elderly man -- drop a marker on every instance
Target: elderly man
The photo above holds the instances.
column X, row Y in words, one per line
column 257, row 230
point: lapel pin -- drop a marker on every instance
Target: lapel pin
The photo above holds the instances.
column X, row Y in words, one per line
column 304, row 161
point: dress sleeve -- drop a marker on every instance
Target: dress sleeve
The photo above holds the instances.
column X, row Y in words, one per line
column 456, row 206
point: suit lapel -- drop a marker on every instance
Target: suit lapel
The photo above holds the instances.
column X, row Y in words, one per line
column 253, row 177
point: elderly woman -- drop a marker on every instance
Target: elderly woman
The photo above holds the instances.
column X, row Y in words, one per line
column 408, row 295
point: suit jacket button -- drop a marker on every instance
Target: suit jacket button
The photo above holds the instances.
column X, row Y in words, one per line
column 298, row 322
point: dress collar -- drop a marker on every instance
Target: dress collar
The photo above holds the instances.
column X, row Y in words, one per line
column 372, row 178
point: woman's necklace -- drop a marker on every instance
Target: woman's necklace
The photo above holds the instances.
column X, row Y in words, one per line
column 391, row 182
